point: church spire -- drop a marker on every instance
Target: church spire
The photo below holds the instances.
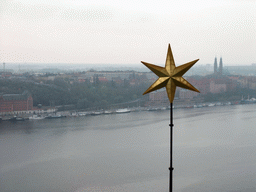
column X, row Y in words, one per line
column 215, row 65
column 220, row 66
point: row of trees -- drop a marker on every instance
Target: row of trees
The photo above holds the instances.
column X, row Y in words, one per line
column 82, row 95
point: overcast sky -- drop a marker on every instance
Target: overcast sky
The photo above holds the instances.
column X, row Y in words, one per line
column 127, row 31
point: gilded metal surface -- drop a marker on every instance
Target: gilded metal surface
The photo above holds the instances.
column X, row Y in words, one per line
column 170, row 76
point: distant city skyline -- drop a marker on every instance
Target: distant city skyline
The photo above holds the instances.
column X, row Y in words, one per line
column 127, row 32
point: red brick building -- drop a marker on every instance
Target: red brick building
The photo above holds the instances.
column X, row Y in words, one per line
column 202, row 84
column 16, row 102
column 213, row 84
column 159, row 95
column 218, row 86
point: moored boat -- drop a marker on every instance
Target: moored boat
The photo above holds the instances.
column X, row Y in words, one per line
column 36, row 117
column 96, row 113
column 108, row 112
column 125, row 110
column 17, row 119
column 53, row 116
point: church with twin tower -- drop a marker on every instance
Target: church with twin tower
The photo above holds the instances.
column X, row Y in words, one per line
column 216, row 70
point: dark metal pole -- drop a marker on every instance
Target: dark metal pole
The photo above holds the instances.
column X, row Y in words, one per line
column 171, row 147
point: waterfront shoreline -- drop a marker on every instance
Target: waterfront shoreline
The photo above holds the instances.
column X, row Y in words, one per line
column 78, row 113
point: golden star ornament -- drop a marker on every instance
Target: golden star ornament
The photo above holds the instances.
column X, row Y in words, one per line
column 170, row 76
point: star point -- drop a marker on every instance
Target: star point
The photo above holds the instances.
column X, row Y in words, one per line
column 170, row 76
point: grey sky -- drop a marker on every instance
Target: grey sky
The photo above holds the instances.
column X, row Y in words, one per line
column 112, row 31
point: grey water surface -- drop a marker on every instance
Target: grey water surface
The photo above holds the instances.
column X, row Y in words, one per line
column 214, row 151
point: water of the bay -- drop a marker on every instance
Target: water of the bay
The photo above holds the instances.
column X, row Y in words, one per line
column 214, row 150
